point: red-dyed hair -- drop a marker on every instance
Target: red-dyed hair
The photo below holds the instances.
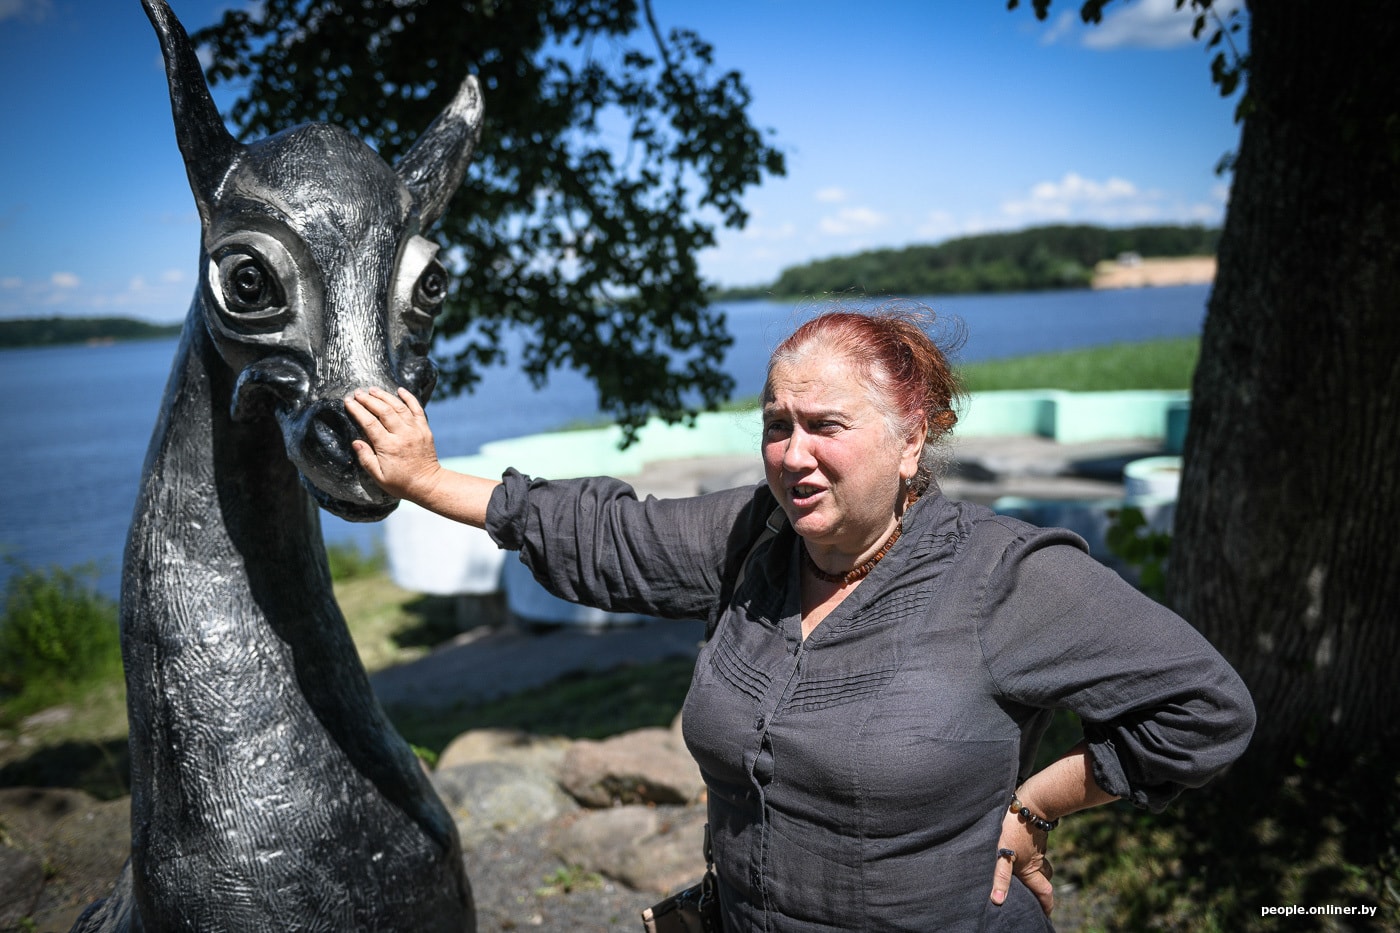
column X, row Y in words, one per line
column 907, row 372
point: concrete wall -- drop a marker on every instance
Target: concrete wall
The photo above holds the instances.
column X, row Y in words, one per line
column 1072, row 417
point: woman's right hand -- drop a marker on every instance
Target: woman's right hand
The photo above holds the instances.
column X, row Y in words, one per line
column 398, row 450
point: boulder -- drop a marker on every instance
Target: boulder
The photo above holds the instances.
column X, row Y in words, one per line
column 653, row 849
column 645, row 766
column 509, row 745
column 21, row 883
column 490, row 798
column 81, row 843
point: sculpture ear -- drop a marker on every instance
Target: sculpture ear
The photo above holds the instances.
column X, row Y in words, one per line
column 205, row 142
column 434, row 167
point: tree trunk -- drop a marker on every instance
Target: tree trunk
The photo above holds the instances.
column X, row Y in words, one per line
column 1287, row 545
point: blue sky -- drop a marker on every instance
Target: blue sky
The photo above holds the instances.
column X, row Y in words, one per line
column 903, row 122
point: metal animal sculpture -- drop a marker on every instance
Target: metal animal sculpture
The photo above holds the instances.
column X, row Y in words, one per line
column 269, row 791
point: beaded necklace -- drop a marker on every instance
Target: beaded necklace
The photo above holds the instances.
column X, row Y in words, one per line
column 859, row 573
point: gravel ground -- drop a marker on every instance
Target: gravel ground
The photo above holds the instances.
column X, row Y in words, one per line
column 515, row 882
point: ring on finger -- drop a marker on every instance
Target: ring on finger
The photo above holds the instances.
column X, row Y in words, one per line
column 1007, row 853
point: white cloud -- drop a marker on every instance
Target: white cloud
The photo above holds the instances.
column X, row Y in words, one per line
column 1144, row 24
column 1152, row 24
column 851, row 220
column 831, row 195
column 64, row 280
column 12, row 281
column 137, row 284
column 1074, row 187
column 1061, row 27
column 173, row 276
column 1076, row 199
column 1074, row 196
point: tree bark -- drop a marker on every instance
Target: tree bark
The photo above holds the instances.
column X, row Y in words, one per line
column 1287, row 545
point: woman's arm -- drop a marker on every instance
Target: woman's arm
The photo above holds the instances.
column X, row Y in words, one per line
column 1065, row 786
column 400, row 456
column 1161, row 710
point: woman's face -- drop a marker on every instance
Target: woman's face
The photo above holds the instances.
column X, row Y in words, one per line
column 829, row 457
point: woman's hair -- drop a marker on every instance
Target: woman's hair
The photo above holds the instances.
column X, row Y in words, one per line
column 906, row 371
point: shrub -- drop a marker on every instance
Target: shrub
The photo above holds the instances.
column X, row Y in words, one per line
column 348, row 562
column 56, row 630
column 1133, row 540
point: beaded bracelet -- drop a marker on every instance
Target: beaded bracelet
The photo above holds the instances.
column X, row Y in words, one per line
column 1024, row 812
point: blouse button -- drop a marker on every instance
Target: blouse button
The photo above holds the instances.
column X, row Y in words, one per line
column 760, row 722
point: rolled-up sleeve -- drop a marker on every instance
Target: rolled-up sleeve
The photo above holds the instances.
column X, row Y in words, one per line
column 592, row 541
column 1161, row 709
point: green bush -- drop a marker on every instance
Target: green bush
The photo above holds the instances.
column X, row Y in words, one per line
column 349, row 562
column 57, row 631
column 1133, row 540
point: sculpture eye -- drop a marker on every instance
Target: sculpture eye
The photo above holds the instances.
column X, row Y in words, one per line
column 248, row 286
column 431, row 290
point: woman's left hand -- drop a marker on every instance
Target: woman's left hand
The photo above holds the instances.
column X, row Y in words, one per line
column 1027, row 861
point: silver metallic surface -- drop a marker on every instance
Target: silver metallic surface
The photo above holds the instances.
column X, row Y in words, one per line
column 269, row 790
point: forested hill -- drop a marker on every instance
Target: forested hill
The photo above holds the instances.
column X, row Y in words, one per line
column 39, row 332
column 1025, row 260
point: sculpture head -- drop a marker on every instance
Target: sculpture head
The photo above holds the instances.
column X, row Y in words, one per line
column 315, row 277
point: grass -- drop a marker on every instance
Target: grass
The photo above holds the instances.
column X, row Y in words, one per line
column 80, row 739
column 348, row 562
column 1155, row 364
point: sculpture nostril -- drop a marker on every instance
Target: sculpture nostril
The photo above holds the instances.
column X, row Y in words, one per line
column 420, row 377
column 275, row 382
column 329, row 434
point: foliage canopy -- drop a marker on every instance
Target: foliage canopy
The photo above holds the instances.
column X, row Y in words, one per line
column 1057, row 256
column 610, row 153
column 38, row 332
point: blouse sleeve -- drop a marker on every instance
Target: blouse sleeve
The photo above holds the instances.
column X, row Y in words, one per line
column 1161, row 709
column 591, row 541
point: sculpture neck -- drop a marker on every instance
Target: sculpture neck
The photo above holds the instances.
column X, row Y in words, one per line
column 222, row 494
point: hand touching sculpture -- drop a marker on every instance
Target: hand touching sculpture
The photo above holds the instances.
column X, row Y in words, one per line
column 400, row 454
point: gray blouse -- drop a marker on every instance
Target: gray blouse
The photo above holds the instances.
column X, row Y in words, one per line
column 858, row 779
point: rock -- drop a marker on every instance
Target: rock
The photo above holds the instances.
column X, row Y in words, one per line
column 28, row 812
column 21, row 883
column 643, row 766
column 509, row 745
column 82, row 842
column 506, row 792
column 652, row 849
column 490, row 798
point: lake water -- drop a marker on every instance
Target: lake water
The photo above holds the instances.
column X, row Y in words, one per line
column 77, row 419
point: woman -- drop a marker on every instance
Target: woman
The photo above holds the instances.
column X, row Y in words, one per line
column 881, row 669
